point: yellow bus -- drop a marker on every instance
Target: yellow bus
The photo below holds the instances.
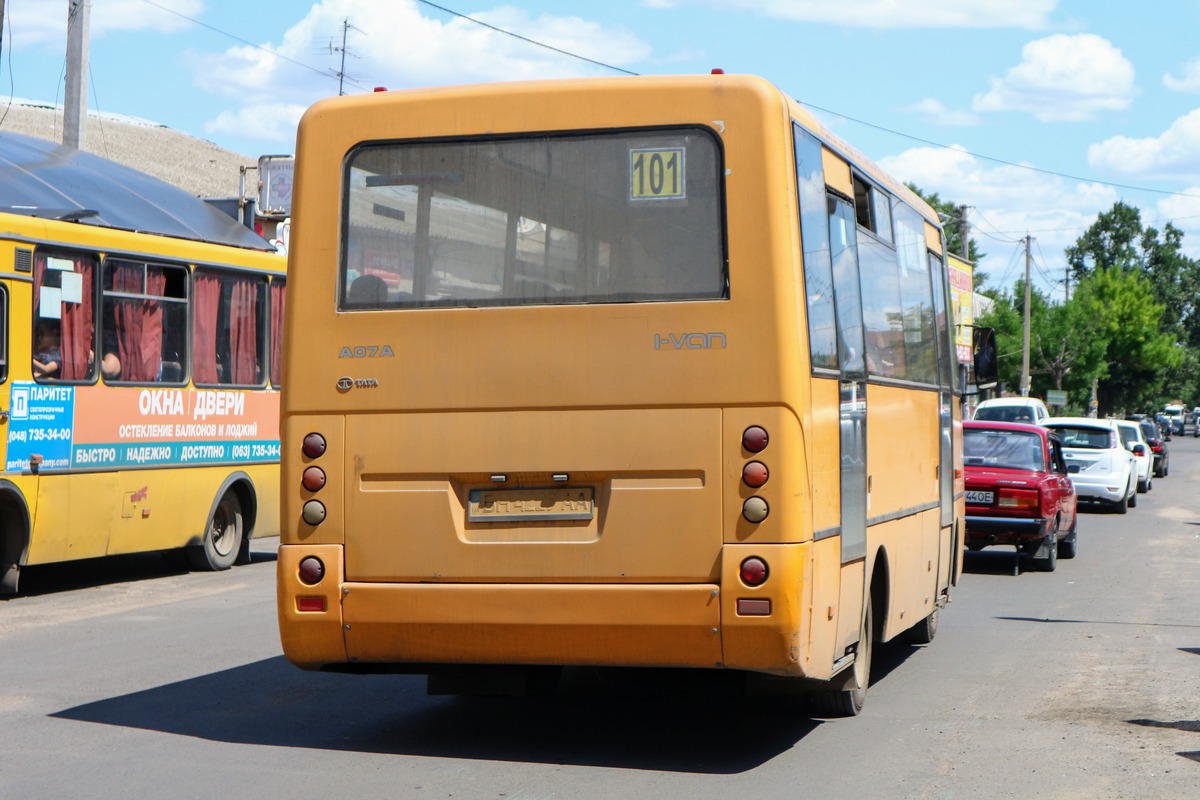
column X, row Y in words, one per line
column 649, row 371
column 139, row 367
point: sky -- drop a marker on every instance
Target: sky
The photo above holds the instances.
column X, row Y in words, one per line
column 1037, row 114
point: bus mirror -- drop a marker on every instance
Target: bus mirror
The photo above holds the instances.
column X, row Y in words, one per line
column 983, row 345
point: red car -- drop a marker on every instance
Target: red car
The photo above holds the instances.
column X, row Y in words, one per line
column 1018, row 491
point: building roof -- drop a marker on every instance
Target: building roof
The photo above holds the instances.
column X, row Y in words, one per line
column 42, row 179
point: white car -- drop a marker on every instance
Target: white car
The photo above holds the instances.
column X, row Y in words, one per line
column 1030, row 410
column 1135, row 442
column 1101, row 467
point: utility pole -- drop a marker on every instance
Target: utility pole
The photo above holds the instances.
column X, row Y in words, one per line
column 75, row 103
column 964, row 233
column 1028, row 299
column 1068, row 283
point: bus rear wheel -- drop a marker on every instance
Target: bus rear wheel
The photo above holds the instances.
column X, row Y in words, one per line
column 222, row 536
column 848, row 701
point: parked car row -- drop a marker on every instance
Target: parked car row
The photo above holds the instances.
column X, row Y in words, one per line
column 1027, row 473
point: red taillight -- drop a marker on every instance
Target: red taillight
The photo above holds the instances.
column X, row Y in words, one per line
column 311, row 570
column 753, row 571
column 1156, row 446
column 310, row 603
column 755, row 439
column 1018, row 498
column 313, row 479
column 314, row 445
column 755, row 474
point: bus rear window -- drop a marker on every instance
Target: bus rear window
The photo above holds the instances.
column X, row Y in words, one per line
column 599, row 218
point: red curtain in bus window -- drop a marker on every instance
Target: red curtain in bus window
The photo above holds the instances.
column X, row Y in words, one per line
column 277, row 300
column 207, row 291
column 243, row 331
column 77, row 323
column 139, row 323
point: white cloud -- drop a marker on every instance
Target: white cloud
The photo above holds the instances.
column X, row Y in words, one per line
column 1064, row 78
column 1175, row 154
column 393, row 44
column 45, row 22
column 1189, row 81
column 1008, row 201
column 273, row 123
column 934, row 111
column 1183, row 211
column 1031, row 14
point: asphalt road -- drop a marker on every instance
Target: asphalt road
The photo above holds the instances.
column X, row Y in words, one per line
column 123, row 678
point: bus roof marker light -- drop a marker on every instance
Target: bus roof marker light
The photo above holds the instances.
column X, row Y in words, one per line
column 314, row 445
column 755, row 439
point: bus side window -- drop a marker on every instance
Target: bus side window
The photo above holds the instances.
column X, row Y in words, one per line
column 144, row 322
column 229, row 328
column 278, row 303
column 63, row 307
column 3, row 334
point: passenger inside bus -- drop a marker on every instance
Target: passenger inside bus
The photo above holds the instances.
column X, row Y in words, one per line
column 47, row 357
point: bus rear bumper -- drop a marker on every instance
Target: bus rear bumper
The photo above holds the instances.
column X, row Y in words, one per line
column 398, row 624
column 533, row 624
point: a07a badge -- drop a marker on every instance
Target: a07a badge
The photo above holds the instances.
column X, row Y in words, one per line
column 367, row 351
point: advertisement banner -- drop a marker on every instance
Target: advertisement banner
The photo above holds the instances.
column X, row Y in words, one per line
column 104, row 427
column 962, row 294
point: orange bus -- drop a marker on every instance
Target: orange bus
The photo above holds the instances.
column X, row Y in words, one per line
column 649, row 371
column 139, row 367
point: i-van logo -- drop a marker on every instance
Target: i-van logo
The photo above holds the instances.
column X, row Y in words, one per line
column 690, row 341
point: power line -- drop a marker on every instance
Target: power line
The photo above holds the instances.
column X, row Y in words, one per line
column 525, row 38
column 1130, row 187
column 322, row 72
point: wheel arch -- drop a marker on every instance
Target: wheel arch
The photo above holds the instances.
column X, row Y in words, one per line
column 16, row 530
column 242, row 486
column 880, row 593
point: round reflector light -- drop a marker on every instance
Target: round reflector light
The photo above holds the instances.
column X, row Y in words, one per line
column 755, row 474
column 313, row 479
column 314, row 445
column 754, row 439
column 755, row 509
column 313, row 513
column 754, row 571
column 312, row 570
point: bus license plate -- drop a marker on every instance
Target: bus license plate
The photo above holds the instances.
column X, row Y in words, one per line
column 530, row 505
column 979, row 498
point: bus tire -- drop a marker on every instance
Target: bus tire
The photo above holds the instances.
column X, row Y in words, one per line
column 924, row 631
column 848, row 701
column 222, row 536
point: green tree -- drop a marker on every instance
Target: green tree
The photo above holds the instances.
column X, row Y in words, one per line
column 1137, row 353
column 1110, row 242
column 1117, row 241
column 954, row 226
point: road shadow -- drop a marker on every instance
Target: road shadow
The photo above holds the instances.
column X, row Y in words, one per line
column 996, row 561
column 67, row 576
column 693, row 721
column 1190, row 725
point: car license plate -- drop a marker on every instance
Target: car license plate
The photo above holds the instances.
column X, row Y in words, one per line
column 979, row 498
column 530, row 505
